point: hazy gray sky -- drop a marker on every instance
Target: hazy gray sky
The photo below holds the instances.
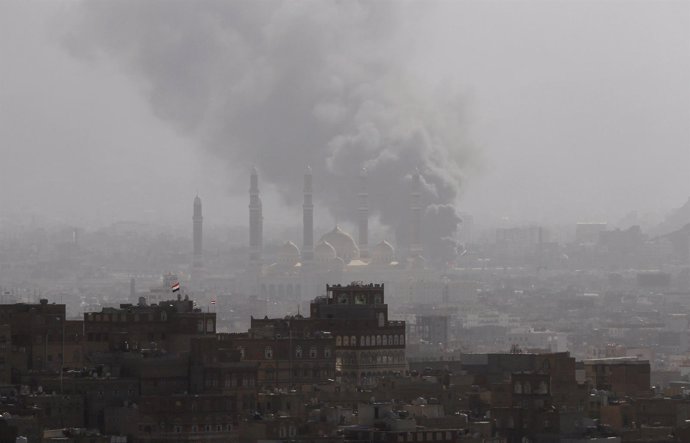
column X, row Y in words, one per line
column 576, row 111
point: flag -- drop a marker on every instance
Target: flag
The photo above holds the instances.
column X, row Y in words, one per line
column 175, row 287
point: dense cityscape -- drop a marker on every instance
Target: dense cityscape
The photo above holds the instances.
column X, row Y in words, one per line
column 519, row 338
column 344, row 221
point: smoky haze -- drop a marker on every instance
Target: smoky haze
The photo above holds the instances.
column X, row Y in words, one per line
column 283, row 85
column 577, row 110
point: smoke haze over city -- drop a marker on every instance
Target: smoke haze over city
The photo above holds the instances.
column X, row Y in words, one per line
column 528, row 111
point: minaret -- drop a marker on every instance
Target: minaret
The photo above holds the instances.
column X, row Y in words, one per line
column 256, row 221
column 197, row 238
column 363, row 213
column 308, row 219
column 416, row 210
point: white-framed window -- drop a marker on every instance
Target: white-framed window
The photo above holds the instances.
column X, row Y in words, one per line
column 268, row 352
column 395, row 339
column 353, row 340
column 346, row 341
column 338, row 341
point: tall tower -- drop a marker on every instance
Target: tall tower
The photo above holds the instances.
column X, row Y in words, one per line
column 256, row 222
column 197, row 238
column 363, row 213
column 416, row 210
column 308, row 219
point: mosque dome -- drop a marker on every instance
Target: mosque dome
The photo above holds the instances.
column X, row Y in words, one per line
column 324, row 251
column 289, row 253
column 383, row 253
column 344, row 244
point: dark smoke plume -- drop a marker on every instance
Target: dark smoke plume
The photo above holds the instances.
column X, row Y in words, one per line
column 283, row 84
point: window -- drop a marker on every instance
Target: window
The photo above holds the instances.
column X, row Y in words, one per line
column 362, row 341
column 338, row 341
column 298, row 352
column 402, row 339
column 385, row 340
column 313, row 352
column 327, row 352
column 268, row 353
column 241, row 349
column 200, row 326
column 395, row 339
column 378, row 340
column 353, row 340
column 382, row 319
column 346, row 341
column 209, row 325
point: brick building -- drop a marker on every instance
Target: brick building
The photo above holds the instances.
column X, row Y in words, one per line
column 168, row 325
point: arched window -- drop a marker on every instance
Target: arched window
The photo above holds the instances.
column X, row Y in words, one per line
column 367, row 341
column 362, row 341
column 402, row 339
column 378, row 340
column 346, row 341
column 338, row 341
column 353, row 340
column 395, row 339
column 385, row 340
column 298, row 352
column 268, row 352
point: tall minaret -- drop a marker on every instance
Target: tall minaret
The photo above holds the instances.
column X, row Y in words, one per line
column 256, row 221
column 416, row 210
column 308, row 219
column 197, row 238
column 363, row 213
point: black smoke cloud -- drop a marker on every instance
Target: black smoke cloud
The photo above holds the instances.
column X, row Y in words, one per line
column 285, row 84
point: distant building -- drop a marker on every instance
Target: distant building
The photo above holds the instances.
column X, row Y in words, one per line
column 588, row 233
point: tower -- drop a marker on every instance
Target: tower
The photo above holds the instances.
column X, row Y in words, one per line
column 308, row 219
column 197, row 239
column 256, row 221
column 363, row 214
column 416, row 212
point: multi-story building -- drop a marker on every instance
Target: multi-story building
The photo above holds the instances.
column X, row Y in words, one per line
column 286, row 354
column 168, row 325
column 368, row 344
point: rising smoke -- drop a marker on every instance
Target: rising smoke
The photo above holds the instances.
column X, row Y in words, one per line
column 283, row 84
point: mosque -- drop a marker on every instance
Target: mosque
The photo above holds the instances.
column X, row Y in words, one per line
column 302, row 274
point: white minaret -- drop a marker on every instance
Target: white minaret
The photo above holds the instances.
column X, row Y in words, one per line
column 308, row 219
column 363, row 214
column 256, row 221
column 416, row 212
